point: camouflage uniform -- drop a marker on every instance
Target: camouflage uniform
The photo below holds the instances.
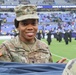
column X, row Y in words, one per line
column 26, row 12
column 70, row 68
column 14, row 50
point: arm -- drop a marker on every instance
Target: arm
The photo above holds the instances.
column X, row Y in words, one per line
column 61, row 60
column 4, row 54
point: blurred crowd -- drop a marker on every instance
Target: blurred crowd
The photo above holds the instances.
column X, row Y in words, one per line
column 60, row 24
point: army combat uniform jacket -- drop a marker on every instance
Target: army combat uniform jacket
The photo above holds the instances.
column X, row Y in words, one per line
column 14, row 50
column 70, row 68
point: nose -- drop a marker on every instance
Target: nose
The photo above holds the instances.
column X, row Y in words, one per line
column 30, row 27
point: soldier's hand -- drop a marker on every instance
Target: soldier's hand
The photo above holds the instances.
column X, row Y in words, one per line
column 61, row 60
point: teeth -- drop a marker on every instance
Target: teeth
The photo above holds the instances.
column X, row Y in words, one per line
column 30, row 33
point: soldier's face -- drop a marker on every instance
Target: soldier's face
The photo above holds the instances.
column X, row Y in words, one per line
column 28, row 29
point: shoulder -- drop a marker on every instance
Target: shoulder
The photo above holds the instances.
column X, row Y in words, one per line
column 71, row 64
column 10, row 42
column 15, row 41
column 41, row 44
column 5, row 44
column 70, row 68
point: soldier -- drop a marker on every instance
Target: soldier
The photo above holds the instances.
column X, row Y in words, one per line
column 39, row 35
column 70, row 68
column 66, row 37
column 25, row 47
column 49, row 40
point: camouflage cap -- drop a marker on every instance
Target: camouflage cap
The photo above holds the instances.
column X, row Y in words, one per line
column 26, row 12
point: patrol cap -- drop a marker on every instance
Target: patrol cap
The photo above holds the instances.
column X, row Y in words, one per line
column 26, row 12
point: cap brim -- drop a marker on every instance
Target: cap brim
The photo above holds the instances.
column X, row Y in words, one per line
column 30, row 16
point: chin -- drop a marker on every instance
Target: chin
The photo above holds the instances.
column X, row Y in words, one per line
column 30, row 38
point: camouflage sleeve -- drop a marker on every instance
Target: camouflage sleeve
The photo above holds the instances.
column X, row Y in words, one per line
column 45, row 46
column 4, row 55
column 50, row 59
column 50, row 55
column 70, row 68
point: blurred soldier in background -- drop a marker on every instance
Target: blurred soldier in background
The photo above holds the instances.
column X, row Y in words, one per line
column 39, row 35
column 43, row 34
column 49, row 37
column 69, row 35
column 66, row 37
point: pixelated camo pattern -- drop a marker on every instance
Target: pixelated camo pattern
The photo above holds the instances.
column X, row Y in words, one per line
column 25, row 10
column 15, row 50
column 70, row 68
